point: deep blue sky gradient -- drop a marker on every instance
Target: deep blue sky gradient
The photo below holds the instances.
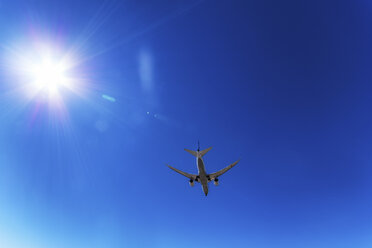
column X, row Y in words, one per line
column 283, row 85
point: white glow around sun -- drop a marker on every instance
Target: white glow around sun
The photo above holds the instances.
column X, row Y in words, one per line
column 50, row 76
column 44, row 75
column 45, row 72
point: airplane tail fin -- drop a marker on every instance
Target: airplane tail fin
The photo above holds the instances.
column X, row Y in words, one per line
column 195, row 153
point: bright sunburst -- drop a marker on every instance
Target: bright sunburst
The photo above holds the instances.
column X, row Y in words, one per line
column 49, row 75
column 43, row 72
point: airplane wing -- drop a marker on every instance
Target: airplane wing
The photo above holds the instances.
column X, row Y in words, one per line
column 190, row 176
column 220, row 172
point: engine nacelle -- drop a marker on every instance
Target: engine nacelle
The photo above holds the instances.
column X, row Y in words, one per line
column 191, row 183
column 215, row 181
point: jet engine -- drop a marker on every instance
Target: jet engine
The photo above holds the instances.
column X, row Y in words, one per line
column 215, row 181
column 191, row 183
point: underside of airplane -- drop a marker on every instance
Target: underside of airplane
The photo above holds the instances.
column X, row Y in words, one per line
column 202, row 177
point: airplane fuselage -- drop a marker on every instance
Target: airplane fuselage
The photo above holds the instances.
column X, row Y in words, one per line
column 203, row 179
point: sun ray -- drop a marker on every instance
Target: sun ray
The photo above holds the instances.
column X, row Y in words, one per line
column 40, row 72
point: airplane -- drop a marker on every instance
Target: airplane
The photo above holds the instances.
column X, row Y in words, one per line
column 203, row 177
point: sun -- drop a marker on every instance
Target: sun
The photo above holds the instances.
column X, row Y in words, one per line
column 44, row 75
column 50, row 76
column 45, row 72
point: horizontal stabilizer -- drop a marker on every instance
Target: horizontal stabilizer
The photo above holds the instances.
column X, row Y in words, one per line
column 202, row 153
column 192, row 152
column 195, row 153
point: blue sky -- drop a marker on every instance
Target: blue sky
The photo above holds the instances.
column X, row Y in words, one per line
column 282, row 85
